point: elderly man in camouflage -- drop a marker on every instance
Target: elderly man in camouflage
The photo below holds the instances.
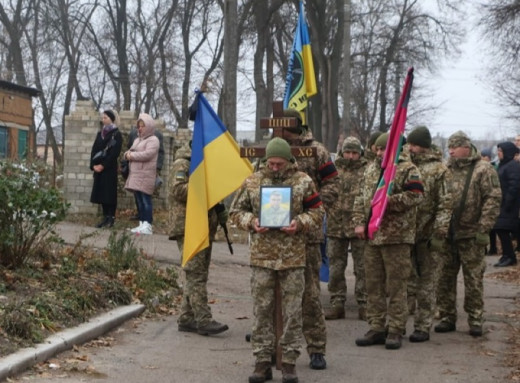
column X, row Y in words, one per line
column 387, row 255
column 325, row 176
column 277, row 254
column 340, row 232
column 195, row 313
column 476, row 204
column 433, row 219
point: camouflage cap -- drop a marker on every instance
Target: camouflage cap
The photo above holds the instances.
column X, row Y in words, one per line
column 459, row 139
column 351, row 144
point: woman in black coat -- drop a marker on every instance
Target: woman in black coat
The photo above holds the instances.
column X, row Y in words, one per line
column 105, row 167
column 507, row 222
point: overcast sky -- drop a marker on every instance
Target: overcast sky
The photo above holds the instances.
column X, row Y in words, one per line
column 467, row 101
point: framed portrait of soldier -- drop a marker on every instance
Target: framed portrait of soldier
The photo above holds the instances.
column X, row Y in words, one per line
column 275, row 206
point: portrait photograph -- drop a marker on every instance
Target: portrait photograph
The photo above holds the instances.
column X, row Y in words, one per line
column 275, row 206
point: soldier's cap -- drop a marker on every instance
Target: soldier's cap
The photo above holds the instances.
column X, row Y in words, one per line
column 487, row 153
column 351, row 144
column 373, row 137
column 278, row 147
column 420, row 136
column 459, row 139
column 381, row 141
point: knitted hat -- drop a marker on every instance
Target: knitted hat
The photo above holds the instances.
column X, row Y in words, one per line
column 487, row 153
column 382, row 140
column 372, row 139
column 278, row 147
column 351, row 144
column 459, row 139
column 420, row 136
column 110, row 114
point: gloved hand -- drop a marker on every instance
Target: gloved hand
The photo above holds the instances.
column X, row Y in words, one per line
column 482, row 239
column 436, row 244
column 222, row 213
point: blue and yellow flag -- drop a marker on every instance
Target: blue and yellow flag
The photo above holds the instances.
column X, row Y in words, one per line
column 301, row 78
column 216, row 170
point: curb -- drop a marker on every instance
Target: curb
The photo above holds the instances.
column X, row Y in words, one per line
column 25, row 358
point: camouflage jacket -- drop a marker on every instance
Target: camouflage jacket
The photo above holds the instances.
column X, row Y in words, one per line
column 434, row 212
column 178, row 195
column 482, row 204
column 275, row 249
column 322, row 171
column 399, row 222
column 339, row 218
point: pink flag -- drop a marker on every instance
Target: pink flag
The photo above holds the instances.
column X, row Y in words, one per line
column 390, row 159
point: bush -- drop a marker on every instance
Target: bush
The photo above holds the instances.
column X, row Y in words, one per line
column 29, row 213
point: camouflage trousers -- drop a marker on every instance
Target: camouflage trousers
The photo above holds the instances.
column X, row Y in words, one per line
column 387, row 270
column 471, row 257
column 314, row 327
column 423, row 278
column 292, row 282
column 194, row 305
column 337, row 252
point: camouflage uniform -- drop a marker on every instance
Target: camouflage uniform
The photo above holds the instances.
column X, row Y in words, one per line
column 433, row 219
column 482, row 206
column 194, row 306
column 340, row 233
column 275, row 218
column 275, row 254
column 387, row 255
column 322, row 171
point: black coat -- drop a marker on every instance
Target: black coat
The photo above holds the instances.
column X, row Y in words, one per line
column 104, row 189
column 509, row 175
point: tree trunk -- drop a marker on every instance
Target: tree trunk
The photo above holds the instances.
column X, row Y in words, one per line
column 229, row 112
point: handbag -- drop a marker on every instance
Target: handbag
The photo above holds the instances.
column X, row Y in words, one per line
column 125, row 169
column 100, row 156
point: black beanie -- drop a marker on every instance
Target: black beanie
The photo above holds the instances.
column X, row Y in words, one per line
column 110, row 115
column 420, row 136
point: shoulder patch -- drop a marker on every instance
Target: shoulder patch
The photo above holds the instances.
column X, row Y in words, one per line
column 181, row 175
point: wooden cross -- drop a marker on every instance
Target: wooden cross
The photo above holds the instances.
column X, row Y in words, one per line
column 278, row 123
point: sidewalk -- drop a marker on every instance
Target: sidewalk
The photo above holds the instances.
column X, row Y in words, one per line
column 154, row 351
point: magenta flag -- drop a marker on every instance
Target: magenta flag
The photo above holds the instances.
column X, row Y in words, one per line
column 390, row 159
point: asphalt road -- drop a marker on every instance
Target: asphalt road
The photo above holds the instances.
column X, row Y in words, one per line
column 145, row 350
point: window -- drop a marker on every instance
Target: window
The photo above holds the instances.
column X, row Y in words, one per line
column 3, row 141
column 22, row 144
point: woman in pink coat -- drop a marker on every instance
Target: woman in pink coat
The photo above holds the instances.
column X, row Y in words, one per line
column 142, row 157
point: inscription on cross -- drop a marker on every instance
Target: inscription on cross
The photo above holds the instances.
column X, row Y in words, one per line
column 278, row 123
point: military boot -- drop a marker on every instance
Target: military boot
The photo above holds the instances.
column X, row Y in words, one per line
column 444, row 326
column 334, row 312
column 372, row 337
column 289, row 373
column 261, row 373
column 475, row 330
column 212, row 328
column 393, row 341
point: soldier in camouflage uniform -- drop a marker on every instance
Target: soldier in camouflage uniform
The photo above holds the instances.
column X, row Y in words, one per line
column 387, row 255
column 322, row 171
column 433, row 219
column 195, row 313
column 370, row 153
column 277, row 254
column 340, row 232
column 473, row 217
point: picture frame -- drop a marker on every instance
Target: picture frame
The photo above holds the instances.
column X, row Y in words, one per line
column 275, row 206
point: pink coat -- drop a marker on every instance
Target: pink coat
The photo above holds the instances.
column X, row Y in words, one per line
column 143, row 164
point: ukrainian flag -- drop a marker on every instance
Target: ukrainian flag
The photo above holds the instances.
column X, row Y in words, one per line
column 301, row 78
column 216, row 170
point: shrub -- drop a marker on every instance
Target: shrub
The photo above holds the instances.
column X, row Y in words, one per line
column 29, row 213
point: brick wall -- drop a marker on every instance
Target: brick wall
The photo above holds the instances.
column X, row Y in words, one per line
column 81, row 127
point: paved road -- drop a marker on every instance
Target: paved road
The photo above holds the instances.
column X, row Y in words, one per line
column 144, row 350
